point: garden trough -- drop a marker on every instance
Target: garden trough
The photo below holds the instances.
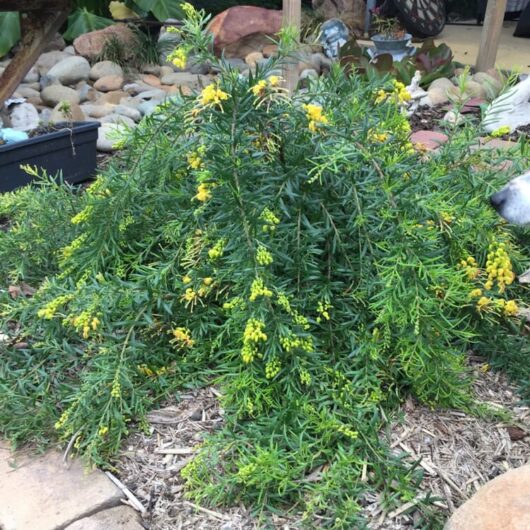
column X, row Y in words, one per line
column 70, row 152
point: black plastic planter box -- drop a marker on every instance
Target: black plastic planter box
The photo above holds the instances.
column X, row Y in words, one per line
column 71, row 151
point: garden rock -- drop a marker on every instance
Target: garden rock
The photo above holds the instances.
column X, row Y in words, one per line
column 48, row 80
column 32, row 76
column 114, row 96
column 98, row 111
column 85, row 91
column 271, row 50
column 186, row 78
column 117, row 118
column 309, row 73
column 119, row 518
column 510, row 109
column 443, row 83
column 194, row 66
column 108, row 136
column 56, row 44
column 42, row 493
column 54, row 94
column 69, row 50
column 105, row 68
column 91, row 44
column 48, row 60
column 73, row 113
column 148, row 107
column 155, row 93
column 151, row 80
column 428, row 140
column 153, row 69
column 253, row 58
column 502, row 503
column 437, row 96
column 24, row 117
column 168, row 40
column 27, row 92
column 491, row 84
column 165, row 70
column 129, row 112
column 109, row 83
column 71, row 70
column 474, row 89
column 136, row 88
column 240, row 30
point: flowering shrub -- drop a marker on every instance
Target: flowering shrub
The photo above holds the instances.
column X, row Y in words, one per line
column 297, row 252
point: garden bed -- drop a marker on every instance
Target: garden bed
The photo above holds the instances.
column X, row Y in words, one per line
column 459, row 453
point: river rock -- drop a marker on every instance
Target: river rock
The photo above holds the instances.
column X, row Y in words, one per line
column 32, row 76
column 253, row 58
column 155, row 93
column 24, row 117
column 113, row 97
column 109, row 83
column 240, row 30
column 56, row 44
column 151, row 80
column 118, row 118
column 108, row 136
column 149, row 106
column 502, row 503
column 165, row 70
column 437, row 96
column 91, row 44
column 105, row 68
column 186, row 78
column 48, row 60
column 71, row 70
column 99, row 110
column 73, row 113
column 443, row 83
column 492, row 86
column 474, row 89
column 130, row 112
column 54, row 94
column 27, row 92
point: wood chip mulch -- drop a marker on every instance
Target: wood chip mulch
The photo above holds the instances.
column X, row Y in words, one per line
column 459, row 453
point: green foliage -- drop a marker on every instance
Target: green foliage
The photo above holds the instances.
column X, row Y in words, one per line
column 83, row 21
column 9, row 30
column 297, row 252
column 431, row 60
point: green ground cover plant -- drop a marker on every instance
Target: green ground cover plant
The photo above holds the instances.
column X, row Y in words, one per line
column 296, row 252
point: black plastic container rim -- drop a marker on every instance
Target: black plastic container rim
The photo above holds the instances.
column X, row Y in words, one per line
column 75, row 127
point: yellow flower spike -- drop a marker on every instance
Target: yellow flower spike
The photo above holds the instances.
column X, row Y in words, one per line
column 275, row 80
column 475, row 293
column 186, row 279
column 483, row 303
column 207, row 281
column 203, row 193
column 259, row 88
column 212, row 95
column 511, row 308
column 182, row 337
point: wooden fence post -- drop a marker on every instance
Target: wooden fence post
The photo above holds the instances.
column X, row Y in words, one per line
column 292, row 16
column 491, row 35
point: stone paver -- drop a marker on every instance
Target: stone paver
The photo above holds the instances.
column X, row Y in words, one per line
column 119, row 518
column 41, row 493
column 428, row 140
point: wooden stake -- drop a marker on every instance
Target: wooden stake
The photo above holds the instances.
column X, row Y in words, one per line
column 491, row 34
column 292, row 16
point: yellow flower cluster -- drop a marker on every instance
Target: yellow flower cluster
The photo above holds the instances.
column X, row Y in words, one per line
column 499, row 267
column 149, row 372
column 323, row 311
column 263, row 256
column 315, row 116
column 179, row 57
column 349, row 433
column 292, row 342
column 305, row 377
column 203, row 193
column 116, row 388
column 194, row 160
column 68, row 251
column 190, row 295
column 252, row 335
column 82, row 216
column 374, row 136
column 49, row 310
column 236, row 302
column 86, row 322
column 182, row 337
column 399, row 94
column 63, row 419
column 103, row 430
column 272, row 368
column 186, row 279
column 260, row 88
column 270, row 220
column 212, row 95
column 258, row 289
column 509, row 308
column 283, row 302
column 501, row 131
column 470, row 267
column 217, row 250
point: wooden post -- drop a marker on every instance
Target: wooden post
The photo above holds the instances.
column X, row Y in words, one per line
column 491, row 34
column 292, row 16
column 38, row 26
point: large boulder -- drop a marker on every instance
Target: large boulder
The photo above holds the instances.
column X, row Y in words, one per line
column 243, row 29
column 351, row 12
column 70, row 70
column 503, row 503
column 91, row 44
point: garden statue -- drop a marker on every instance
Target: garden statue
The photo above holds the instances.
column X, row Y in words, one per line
column 511, row 109
column 333, row 35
